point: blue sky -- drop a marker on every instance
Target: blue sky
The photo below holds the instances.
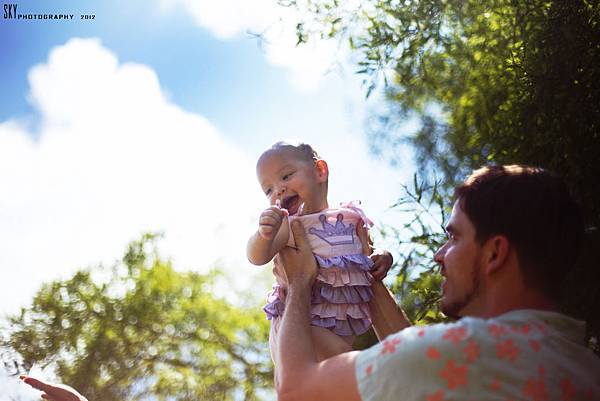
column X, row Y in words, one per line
column 200, row 73
column 150, row 118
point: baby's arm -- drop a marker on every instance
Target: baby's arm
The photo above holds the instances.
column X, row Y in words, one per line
column 272, row 235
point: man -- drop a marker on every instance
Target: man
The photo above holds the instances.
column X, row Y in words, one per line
column 513, row 234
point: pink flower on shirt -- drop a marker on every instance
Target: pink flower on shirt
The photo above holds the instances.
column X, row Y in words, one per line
column 471, row 351
column 496, row 330
column 389, row 346
column 455, row 334
column 507, row 350
column 535, row 388
column 454, row 374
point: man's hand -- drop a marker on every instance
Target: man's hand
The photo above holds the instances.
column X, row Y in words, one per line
column 382, row 261
column 270, row 220
column 54, row 392
column 299, row 264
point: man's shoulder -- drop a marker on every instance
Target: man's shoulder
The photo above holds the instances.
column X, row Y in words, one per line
column 474, row 359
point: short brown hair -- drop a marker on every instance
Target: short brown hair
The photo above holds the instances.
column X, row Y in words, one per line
column 534, row 209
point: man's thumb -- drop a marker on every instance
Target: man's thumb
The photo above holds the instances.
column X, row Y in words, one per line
column 299, row 234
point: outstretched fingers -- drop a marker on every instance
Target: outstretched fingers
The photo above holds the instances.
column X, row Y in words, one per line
column 35, row 383
column 53, row 392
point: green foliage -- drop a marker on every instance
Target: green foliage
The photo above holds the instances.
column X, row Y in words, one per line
column 493, row 81
column 146, row 332
column 418, row 281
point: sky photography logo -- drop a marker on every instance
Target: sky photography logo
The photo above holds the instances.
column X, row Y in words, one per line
column 11, row 13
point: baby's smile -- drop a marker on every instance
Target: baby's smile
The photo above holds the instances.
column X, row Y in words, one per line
column 291, row 203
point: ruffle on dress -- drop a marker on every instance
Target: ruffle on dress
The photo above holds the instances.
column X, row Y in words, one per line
column 336, row 277
column 340, row 312
column 346, row 261
column 340, row 295
column 348, row 327
column 275, row 305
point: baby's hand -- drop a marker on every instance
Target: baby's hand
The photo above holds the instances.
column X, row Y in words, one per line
column 382, row 261
column 270, row 220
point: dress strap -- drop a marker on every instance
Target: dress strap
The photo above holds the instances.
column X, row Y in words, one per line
column 353, row 205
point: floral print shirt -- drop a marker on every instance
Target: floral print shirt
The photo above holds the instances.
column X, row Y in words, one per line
column 527, row 355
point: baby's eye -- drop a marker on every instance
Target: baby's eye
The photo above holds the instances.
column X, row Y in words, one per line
column 287, row 176
column 268, row 192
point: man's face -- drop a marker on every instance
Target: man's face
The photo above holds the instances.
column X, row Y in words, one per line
column 460, row 261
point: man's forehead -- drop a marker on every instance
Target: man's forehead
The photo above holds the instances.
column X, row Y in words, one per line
column 459, row 221
column 457, row 217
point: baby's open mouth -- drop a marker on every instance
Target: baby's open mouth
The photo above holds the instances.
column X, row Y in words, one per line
column 292, row 204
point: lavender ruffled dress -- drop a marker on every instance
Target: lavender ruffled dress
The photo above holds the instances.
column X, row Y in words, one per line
column 342, row 290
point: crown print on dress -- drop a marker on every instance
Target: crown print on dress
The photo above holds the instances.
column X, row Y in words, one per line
column 340, row 234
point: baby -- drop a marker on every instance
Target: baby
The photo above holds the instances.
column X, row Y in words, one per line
column 294, row 178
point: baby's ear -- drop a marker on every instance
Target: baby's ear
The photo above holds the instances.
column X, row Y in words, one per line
column 322, row 170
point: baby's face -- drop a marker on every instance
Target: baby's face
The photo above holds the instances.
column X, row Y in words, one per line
column 286, row 176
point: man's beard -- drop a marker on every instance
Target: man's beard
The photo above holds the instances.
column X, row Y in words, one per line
column 453, row 309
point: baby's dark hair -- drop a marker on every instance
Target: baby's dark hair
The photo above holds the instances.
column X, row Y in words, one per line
column 304, row 149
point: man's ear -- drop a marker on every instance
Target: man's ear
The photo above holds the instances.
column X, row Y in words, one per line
column 496, row 250
column 322, row 170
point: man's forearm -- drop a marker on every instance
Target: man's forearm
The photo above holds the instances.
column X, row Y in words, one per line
column 386, row 314
column 296, row 351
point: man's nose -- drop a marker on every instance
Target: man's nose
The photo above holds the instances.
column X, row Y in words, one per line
column 438, row 257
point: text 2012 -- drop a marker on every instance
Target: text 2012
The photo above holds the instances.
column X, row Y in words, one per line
column 88, row 16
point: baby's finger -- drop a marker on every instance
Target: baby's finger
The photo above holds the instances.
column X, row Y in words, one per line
column 276, row 210
column 269, row 220
column 281, row 211
column 266, row 232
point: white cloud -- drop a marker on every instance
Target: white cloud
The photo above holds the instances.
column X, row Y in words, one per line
column 226, row 19
column 113, row 158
